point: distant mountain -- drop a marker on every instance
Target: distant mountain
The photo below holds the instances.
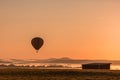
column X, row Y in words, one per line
column 4, row 61
column 66, row 58
column 20, row 61
column 57, row 60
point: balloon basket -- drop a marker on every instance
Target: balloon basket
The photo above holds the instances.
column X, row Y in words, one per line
column 36, row 51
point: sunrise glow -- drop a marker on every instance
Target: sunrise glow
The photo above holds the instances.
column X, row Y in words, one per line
column 78, row 29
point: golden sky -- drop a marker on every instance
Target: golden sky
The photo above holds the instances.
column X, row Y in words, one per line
column 79, row 29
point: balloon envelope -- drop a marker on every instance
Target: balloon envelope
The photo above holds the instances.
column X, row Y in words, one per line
column 37, row 43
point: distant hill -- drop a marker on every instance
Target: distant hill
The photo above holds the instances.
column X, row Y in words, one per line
column 57, row 60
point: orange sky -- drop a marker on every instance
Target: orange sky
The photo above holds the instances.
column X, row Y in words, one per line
column 79, row 29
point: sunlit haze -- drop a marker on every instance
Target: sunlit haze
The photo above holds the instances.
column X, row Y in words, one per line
column 78, row 29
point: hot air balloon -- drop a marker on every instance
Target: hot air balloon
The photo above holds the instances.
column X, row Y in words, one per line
column 37, row 43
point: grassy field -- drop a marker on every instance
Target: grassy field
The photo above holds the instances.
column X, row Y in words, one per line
column 58, row 74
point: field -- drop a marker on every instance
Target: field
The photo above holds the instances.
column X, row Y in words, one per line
column 57, row 74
